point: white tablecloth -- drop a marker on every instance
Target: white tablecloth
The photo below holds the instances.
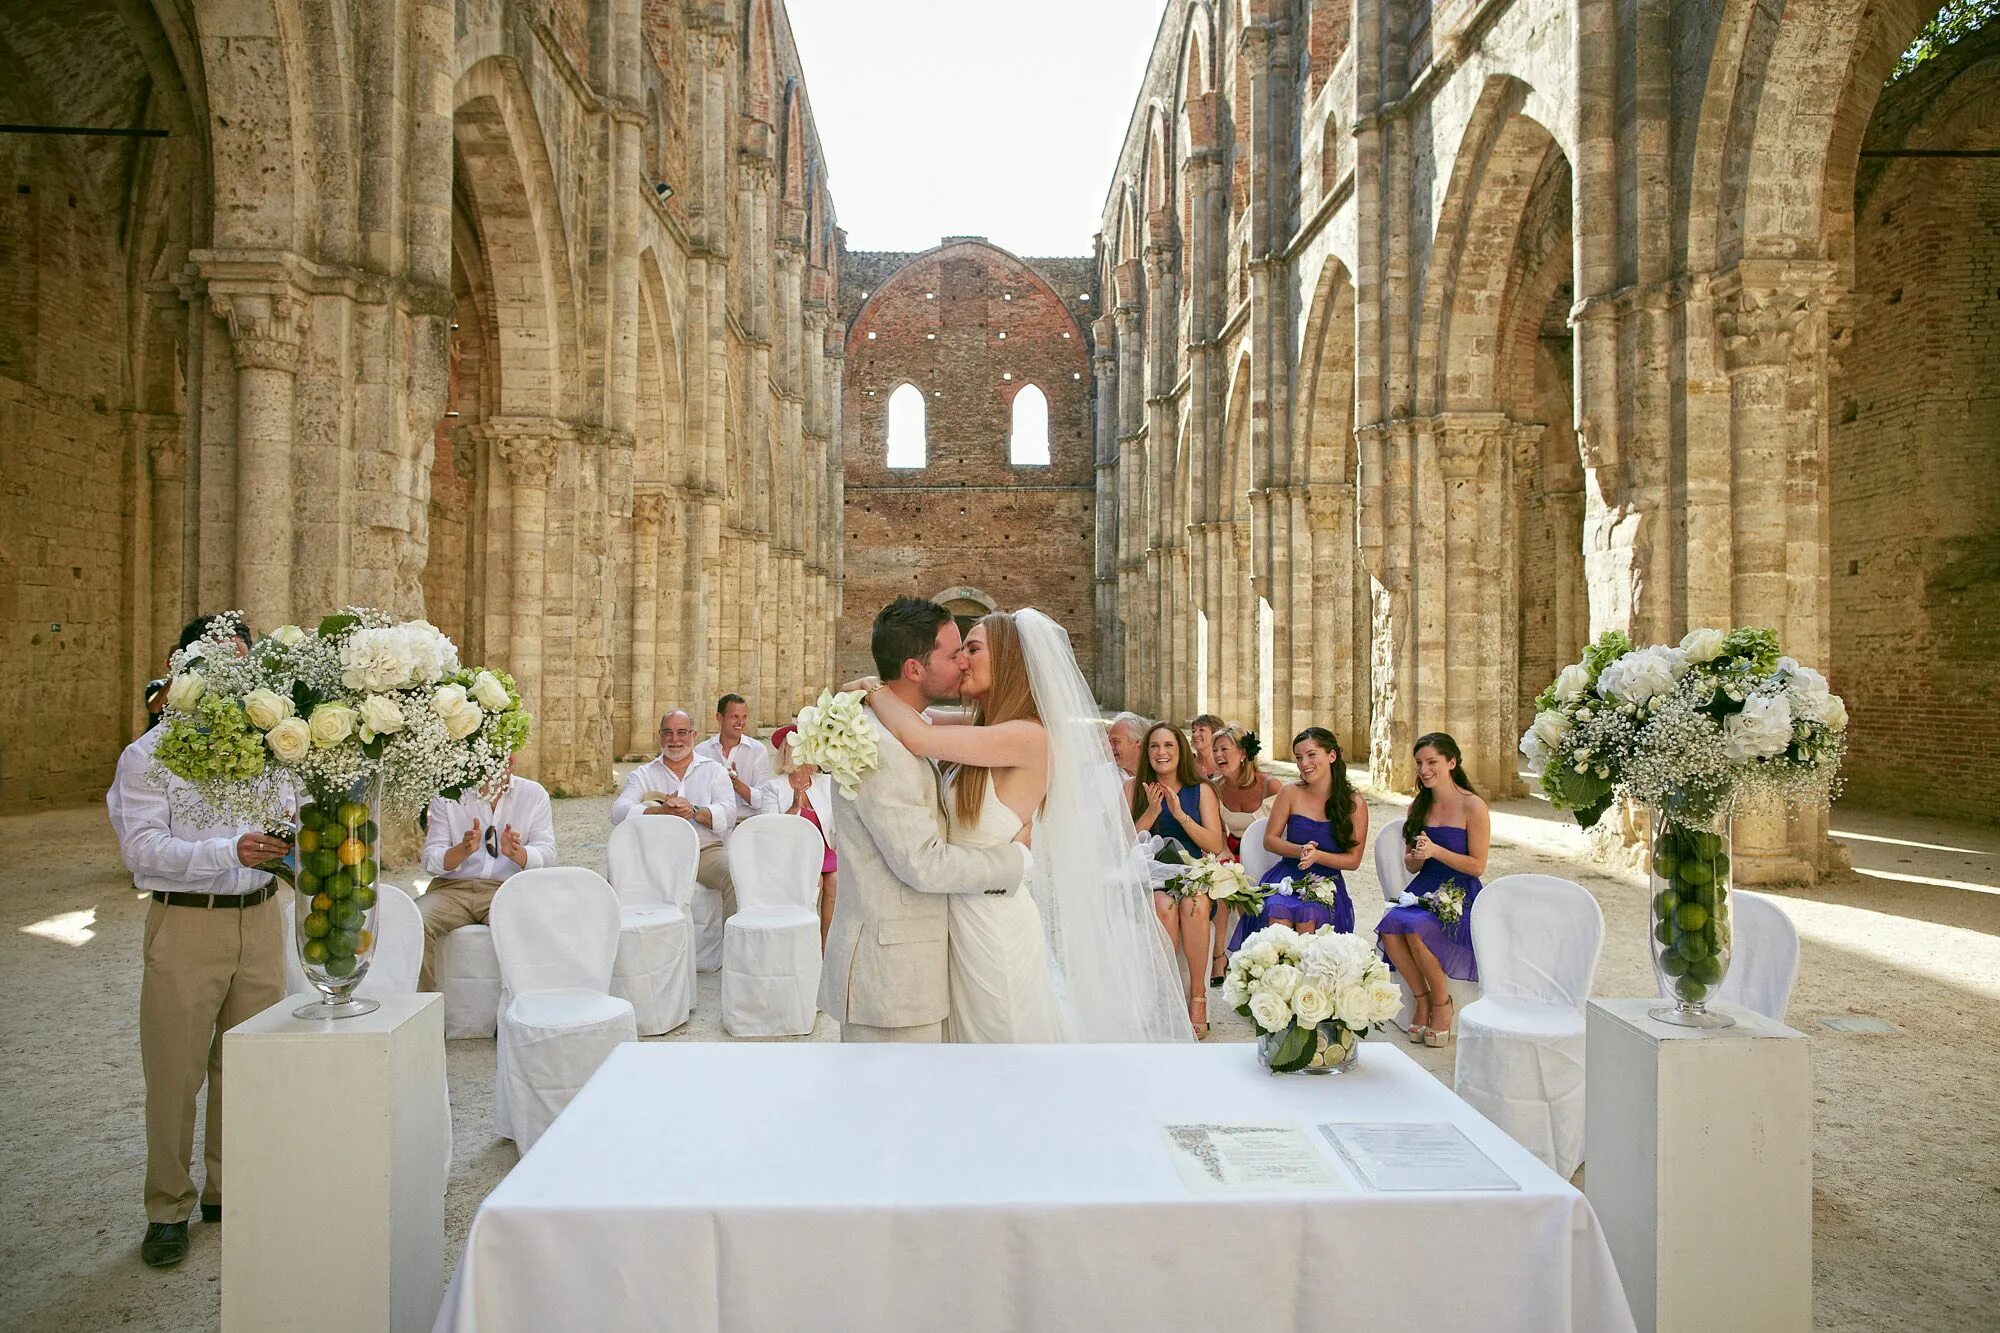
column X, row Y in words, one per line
column 827, row 1186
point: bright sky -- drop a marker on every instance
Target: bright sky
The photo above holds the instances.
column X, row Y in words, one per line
column 968, row 117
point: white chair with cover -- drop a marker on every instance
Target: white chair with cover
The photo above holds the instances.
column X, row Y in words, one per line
column 770, row 950
column 399, row 946
column 467, row 969
column 652, row 861
column 1390, row 872
column 1521, row 1044
column 1763, row 956
column 705, row 915
column 556, row 930
column 1252, row 853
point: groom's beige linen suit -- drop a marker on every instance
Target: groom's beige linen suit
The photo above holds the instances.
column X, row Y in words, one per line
column 885, row 975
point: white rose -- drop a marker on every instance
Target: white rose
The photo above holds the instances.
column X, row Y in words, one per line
column 1264, row 955
column 1385, row 1000
column 1282, row 980
column 1234, row 992
column 289, row 740
column 1833, row 713
column 1761, row 730
column 266, row 708
column 380, row 715
column 461, row 716
column 1703, row 645
column 331, row 724
column 186, row 691
column 490, row 693
column 1270, row 1013
column 291, row 636
column 1350, row 1004
column 1312, row 1004
column 1571, row 682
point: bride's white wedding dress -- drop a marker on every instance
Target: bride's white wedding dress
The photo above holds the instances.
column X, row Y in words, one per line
column 1001, row 989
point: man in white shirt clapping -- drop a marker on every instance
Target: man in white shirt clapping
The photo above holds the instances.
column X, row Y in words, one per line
column 748, row 762
column 689, row 786
column 473, row 845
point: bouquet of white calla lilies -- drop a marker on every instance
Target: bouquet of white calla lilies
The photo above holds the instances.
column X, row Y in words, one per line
column 836, row 736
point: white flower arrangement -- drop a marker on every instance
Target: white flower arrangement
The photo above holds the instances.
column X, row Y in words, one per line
column 1289, row 985
column 1321, row 889
column 836, row 737
column 1720, row 718
column 311, row 713
column 1220, row 881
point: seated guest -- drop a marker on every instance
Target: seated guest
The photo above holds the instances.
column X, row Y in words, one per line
column 1176, row 804
column 801, row 789
column 1445, row 839
column 688, row 786
column 213, row 957
column 1318, row 827
column 1128, row 737
column 1201, row 731
column 471, row 846
column 1246, row 795
column 747, row 762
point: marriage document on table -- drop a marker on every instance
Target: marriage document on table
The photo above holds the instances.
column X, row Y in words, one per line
column 1434, row 1156
column 1248, row 1158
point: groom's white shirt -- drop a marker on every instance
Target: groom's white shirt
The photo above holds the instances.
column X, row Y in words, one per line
column 887, row 953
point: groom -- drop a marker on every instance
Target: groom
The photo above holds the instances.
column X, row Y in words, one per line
column 885, row 975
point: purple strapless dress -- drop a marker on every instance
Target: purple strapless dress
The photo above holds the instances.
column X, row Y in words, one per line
column 1452, row 947
column 1301, row 913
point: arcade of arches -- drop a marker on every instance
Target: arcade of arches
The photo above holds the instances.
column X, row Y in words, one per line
column 1424, row 339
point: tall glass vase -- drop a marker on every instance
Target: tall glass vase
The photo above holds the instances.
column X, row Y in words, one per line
column 1690, row 917
column 335, row 866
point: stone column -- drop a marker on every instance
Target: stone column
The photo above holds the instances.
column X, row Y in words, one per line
column 1109, row 516
column 166, row 455
column 267, row 324
column 527, row 454
column 648, row 509
column 1468, row 597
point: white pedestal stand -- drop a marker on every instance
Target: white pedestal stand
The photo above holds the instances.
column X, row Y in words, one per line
column 333, row 1149
column 1698, row 1151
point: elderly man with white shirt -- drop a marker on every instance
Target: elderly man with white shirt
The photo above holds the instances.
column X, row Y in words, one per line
column 748, row 762
column 213, row 957
column 694, row 787
column 472, row 846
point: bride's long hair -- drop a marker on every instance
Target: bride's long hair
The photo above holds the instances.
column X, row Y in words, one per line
column 1009, row 698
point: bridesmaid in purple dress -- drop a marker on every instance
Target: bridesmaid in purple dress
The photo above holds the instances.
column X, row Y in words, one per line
column 1318, row 827
column 1170, row 799
column 1445, row 840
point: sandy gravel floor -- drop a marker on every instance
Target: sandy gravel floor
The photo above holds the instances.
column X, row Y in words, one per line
column 1907, row 1143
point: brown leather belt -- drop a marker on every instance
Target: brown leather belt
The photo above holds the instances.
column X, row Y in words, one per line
column 238, row 900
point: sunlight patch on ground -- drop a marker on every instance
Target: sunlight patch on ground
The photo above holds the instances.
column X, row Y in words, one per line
column 71, row 928
column 1905, row 842
column 1931, row 880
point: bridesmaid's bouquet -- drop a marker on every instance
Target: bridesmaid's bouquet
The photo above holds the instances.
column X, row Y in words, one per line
column 836, row 737
column 1321, row 889
column 1311, row 997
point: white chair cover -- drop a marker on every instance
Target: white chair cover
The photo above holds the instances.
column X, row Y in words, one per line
column 1252, row 853
column 770, row 951
column 1763, row 958
column 652, row 863
column 399, row 946
column 706, row 914
column 556, row 930
column 1520, row 1046
column 468, row 974
column 1390, row 872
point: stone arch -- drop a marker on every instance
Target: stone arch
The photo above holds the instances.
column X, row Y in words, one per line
column 1158, row 167
column 759, row 59
column 1197, row 61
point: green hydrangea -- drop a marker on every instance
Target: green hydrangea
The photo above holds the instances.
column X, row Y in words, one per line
column 508, row 732
column 1756, row 647
column 216, row 743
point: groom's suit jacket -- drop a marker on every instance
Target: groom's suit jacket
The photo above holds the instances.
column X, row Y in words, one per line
column 886, row 950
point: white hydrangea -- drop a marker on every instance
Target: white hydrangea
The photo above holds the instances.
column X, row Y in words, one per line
column 1761, row 730
column 1641, row 674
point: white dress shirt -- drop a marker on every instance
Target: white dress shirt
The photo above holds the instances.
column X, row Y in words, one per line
column 750, row 761
column 525, row 805
column 706, row 785
column 164, row 852
column 774, row 796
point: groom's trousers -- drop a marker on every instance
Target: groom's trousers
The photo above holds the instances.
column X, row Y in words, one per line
column 921, row 1032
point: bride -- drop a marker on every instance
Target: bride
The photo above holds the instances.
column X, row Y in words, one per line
column 1081, row 956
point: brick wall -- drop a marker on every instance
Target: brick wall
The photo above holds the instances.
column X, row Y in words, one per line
column 1915, row 459
column 969, row 518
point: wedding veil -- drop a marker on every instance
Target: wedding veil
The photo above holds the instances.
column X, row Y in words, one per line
column 1116, row 979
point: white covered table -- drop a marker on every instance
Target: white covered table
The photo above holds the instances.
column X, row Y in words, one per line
column 717, row 1186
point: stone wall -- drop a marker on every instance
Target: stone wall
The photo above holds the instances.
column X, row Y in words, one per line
column 970, row 326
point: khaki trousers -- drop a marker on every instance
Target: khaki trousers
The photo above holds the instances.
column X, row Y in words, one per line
column 921, row 1032
column 712, row 872
column 206, row 970
column 448, row 904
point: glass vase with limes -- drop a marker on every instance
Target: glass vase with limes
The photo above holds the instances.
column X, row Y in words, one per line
column 1690, row 873
column 335, row 864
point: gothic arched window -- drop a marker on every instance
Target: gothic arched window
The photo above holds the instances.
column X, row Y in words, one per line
column 908, row 447
column 1028, row 443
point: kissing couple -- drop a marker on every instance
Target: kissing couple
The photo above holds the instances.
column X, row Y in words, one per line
column 988, row 887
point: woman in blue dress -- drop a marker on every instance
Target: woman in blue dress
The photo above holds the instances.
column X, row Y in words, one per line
column 1176, row 804
column 1317, row 827
column 1445, row 839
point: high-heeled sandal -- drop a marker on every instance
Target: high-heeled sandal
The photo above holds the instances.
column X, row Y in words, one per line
column 1200, row 1025
column 1435, row 1036
column 1415, row 1032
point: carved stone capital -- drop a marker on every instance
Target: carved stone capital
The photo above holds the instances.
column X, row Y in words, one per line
column 267, row 328
column 1466, row 440
column 1762, row 327
column 529, row 460
column 649, row 507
